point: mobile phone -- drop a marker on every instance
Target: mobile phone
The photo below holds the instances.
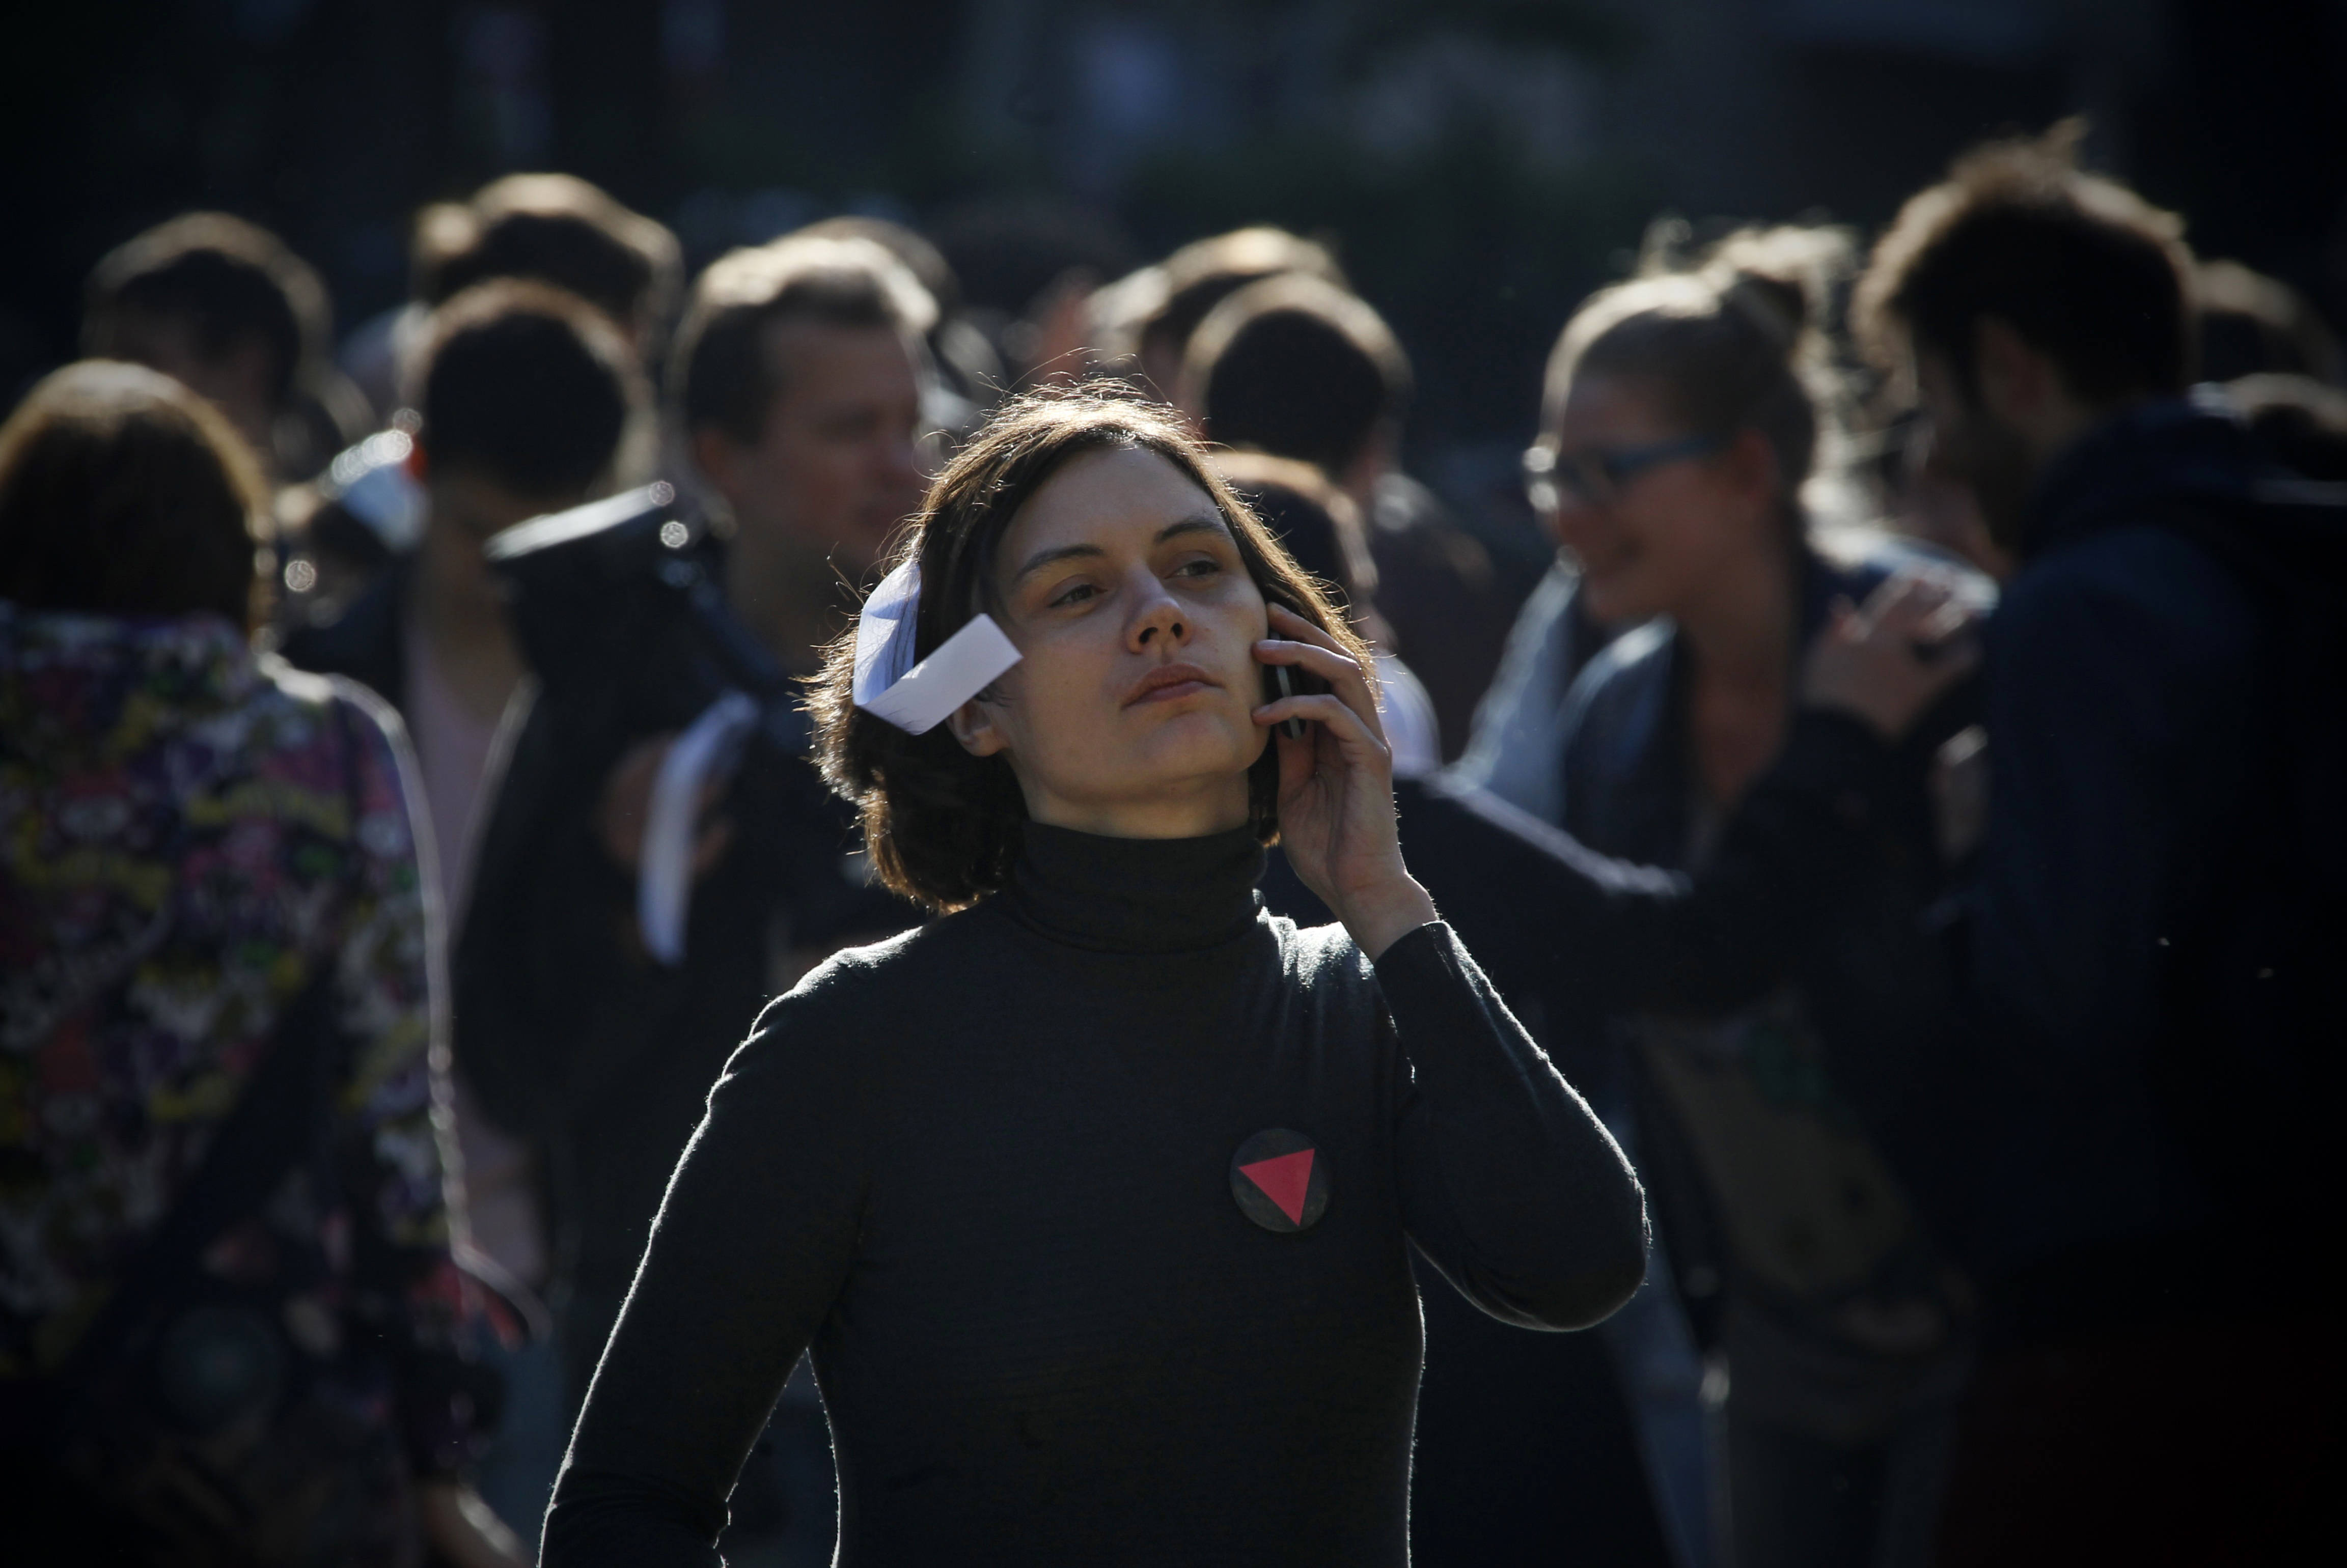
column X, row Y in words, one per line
column 1280, row 680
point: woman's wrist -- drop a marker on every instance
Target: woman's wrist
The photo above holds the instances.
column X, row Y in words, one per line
column 1379, row 916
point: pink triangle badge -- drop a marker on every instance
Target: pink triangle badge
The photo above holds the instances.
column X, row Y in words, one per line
column 1280, row 1181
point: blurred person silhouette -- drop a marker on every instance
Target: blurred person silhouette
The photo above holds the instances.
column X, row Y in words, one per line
column 2251, row 325
column 552, row 229
column 1029, row 265
column 1517, row 729
column 1319, row 526
column 224, row 308
column 2154, row 928
column 1683, row 421
column 1520, row 1439
column 797, row 385
column 1295, row 367
column 968, row 373
column 1141, row 325
column 797, row 382
column 527, row 397
column 231, row 1324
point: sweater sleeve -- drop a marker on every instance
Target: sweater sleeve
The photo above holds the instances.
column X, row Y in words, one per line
column 751, row 1250
column 1510, row 1185
column 1594, row 934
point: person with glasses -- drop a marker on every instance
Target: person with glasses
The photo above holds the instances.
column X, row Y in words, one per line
column 1682, row 421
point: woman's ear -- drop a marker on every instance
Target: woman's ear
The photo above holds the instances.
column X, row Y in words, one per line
column 973, row 725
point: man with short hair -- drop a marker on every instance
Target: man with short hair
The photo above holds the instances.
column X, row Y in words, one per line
column 528, row 398
column 556, row 229
column 797, row 381
column 225, row 309
column 2150, row 1048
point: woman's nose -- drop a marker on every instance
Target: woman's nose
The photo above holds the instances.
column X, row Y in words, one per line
column 1159, row 619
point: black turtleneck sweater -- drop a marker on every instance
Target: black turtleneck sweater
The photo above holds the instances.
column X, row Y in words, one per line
column 984, row 1170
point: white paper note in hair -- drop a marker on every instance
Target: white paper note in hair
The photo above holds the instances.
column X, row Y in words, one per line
column 916, row 697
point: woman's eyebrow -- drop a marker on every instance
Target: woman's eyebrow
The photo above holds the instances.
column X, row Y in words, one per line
column 1197, row 523
column 1042, row 559
column 1201, row 522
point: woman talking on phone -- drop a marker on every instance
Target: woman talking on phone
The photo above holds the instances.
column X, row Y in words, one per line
column 1092, row 1198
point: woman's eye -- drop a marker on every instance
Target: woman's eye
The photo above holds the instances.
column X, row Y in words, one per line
column 1204, row 566
column 1075, row 593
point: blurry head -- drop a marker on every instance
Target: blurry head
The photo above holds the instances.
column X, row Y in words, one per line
column 2030, row 301
column 123, row 493
column 797, row 379
column 1315, row 523
column 556, row 229
column 1299, row 368
column 1096, row 532
column 2251, row 325
column 1150, row 316
column 912, row 250
column 217, row 304
column 1680, row 422
column 531, row 403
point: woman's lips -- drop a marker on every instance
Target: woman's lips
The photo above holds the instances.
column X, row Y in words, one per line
column 1169, row 681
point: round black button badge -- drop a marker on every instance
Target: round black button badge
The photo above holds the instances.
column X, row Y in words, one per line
column 1280, row 1181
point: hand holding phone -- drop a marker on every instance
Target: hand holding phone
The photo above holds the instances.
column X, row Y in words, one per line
column 1283, row 681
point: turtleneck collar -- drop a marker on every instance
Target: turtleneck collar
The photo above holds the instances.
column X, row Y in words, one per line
column 1134, row 895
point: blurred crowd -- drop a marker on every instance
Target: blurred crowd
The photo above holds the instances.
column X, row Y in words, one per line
column 383, row 882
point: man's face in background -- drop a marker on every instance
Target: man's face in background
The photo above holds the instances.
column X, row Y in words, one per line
column 837, row 463
column 1972, row 448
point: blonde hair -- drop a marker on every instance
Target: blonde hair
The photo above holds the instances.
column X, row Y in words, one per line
column 1730, row 341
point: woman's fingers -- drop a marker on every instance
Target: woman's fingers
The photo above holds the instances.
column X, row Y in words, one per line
column 1331, row 712
column 1343, row 676
column 1307, row 647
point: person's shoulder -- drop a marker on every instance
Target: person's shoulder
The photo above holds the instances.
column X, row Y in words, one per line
column 1631, row 672
column 322, row 704
column 853, row 978
column 1320, row 958
column 2148, row 576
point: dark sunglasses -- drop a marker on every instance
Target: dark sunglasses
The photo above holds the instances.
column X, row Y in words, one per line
column 1597, row 476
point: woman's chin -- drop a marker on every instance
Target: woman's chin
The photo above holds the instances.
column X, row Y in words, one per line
column 1203, row 742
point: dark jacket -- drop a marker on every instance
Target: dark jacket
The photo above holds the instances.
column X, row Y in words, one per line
column 2127, row 699
column 1858, row 1031
column 367, row 642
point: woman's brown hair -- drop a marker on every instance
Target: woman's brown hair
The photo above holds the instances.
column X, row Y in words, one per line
column 123, row 493
column 943, row 826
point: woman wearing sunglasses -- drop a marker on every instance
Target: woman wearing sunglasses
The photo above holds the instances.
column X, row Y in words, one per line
column 1681, row 427
column 1094, row 1198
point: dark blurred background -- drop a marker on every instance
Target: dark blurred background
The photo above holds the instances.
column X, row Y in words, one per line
column 1479, row 164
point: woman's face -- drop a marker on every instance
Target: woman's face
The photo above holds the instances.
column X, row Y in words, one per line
column 1665, row 534
column 1131, row 710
